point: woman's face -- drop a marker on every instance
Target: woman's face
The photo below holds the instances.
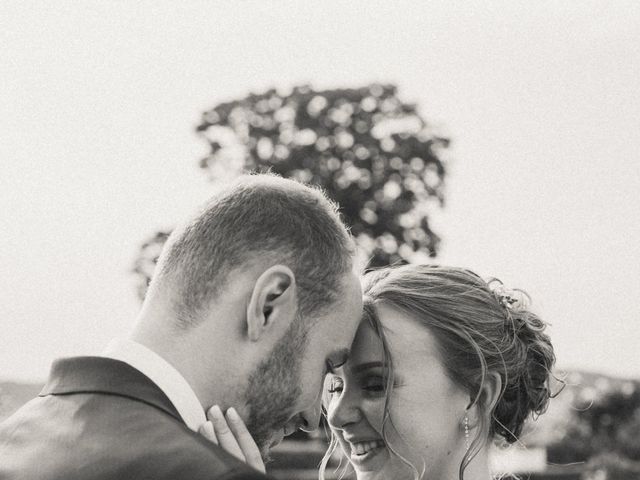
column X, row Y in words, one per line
column 426, row 408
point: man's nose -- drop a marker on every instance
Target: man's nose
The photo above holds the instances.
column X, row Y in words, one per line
column 311, row 417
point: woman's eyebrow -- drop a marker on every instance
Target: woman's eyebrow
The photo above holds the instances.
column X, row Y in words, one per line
column 366, row 366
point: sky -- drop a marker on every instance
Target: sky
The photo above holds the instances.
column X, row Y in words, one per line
column 99, row 100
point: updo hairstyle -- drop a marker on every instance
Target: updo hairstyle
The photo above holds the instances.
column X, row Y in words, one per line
column 481, row 329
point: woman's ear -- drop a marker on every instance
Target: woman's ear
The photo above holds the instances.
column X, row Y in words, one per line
column 492, row 390
column 273, row 302
column 486, row 400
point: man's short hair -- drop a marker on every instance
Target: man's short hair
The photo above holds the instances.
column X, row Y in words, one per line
column 258, row 217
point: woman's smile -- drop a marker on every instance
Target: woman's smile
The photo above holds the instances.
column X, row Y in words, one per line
column 366, row 452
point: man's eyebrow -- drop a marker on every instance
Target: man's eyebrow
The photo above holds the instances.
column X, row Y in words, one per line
column 366, row 366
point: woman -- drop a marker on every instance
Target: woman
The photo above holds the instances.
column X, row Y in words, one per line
column 442, row 365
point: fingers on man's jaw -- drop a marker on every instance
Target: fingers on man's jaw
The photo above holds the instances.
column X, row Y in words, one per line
column 235, row 422
column 208, row 432
column 226, row 437
column 246, row 442
column 216, row 417
column 232, row 434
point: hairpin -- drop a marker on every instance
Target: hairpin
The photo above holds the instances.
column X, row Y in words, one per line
column 512, row 300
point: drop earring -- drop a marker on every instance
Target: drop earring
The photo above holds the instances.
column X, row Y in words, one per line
column 466, row 431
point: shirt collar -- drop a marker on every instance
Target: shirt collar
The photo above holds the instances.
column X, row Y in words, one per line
column 163, row 374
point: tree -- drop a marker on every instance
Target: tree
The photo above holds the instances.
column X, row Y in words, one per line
column 372, row 153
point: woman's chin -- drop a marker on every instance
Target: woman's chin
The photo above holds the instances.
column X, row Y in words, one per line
column 380, row 465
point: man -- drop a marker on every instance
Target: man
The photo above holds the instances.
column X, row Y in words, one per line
column 252, row 302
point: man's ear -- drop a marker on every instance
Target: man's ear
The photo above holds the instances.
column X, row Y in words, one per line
column 488, row 398
column 273, row 301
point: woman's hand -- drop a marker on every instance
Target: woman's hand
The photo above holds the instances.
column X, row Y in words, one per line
column 231, row 433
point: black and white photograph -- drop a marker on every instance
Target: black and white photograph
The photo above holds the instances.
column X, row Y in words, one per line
column 328, row 240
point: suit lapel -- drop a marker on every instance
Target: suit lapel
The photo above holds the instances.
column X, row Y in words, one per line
column 105, row 376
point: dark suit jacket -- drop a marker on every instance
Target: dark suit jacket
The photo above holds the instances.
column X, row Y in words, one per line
column 101, row 419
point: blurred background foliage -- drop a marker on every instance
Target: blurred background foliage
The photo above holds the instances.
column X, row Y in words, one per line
column 372, row 153
column 599, row 427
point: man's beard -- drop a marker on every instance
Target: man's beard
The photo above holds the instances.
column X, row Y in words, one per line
column 274, row 387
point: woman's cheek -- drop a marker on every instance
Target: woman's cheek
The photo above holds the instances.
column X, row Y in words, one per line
column 373, row 409
column 408, row 421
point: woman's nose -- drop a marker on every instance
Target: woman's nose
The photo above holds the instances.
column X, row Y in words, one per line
column 343, row 410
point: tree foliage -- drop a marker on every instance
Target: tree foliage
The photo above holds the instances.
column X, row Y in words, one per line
column 611, row 466
column 603, row 428
column 372, row 153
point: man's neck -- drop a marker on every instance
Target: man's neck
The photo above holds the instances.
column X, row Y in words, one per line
column 211, row 378
column 163, row 374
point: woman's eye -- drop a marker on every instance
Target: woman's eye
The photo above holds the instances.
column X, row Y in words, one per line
column 335, row 387
column 375, row 388
column 375, row 385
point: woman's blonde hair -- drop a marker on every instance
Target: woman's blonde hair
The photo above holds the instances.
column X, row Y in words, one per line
column 481, row 329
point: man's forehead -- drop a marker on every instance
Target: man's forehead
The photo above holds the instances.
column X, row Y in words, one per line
column 337, row 358
column 341, row 353
column 353, row 296
column 356, row 282
column 346, row 313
